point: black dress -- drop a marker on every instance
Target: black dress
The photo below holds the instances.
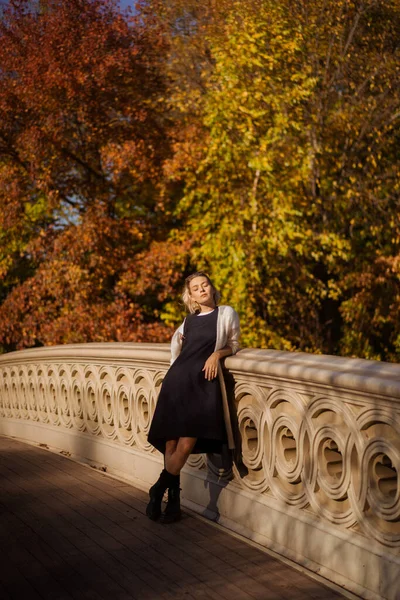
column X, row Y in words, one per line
column 188, row 404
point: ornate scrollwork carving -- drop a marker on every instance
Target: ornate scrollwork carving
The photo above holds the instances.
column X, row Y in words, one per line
column 318, row 453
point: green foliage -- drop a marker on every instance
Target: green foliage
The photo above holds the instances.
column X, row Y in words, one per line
column 289, row 185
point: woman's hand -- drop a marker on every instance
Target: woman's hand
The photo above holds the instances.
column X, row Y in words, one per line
column 211, row 366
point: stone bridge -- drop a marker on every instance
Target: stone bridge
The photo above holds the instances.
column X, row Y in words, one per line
column 315, row 475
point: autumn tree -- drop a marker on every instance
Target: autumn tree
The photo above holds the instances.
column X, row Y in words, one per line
column 81, row 150
column 256, row 139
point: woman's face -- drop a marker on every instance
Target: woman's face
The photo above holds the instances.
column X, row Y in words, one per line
column 202, row 292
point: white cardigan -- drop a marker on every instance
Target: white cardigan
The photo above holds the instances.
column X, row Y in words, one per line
column 228, row 332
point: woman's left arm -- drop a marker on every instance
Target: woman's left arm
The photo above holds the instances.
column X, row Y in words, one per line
column 231, row 347
column 233, row 332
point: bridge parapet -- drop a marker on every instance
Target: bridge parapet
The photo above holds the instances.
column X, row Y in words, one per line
column 316, row 472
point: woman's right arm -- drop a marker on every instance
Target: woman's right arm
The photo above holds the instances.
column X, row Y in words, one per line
column 176, row 342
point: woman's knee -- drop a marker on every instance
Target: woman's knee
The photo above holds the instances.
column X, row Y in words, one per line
column 185, row 446
column 170, row 447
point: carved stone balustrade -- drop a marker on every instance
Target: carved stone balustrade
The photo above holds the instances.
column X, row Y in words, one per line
column 315, row 476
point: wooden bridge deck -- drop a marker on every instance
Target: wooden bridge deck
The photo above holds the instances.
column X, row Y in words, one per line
column 71, row 532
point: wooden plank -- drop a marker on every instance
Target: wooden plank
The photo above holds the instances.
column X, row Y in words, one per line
column 89, row 539
column 295, row 578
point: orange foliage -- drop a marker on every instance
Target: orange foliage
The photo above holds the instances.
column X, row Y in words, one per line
column 81, row 148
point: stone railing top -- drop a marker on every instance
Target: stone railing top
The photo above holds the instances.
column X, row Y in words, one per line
column 334, row 371
column 100, row 352
column 361, row 375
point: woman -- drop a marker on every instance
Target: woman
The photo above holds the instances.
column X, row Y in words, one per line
column 192, row 413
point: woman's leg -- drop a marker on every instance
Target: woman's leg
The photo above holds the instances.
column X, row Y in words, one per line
column 176, row 456
column 156, row 492
column 170, row 447
column 177, row 452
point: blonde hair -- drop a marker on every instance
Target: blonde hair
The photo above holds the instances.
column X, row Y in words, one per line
column 190, row 304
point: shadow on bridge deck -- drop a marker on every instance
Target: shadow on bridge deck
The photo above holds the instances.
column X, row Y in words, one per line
column 71, row 532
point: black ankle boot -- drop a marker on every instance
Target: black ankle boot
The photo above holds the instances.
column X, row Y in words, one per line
column 172, row 511
column 156, row 493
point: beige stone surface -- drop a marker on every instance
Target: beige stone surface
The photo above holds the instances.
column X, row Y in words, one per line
column 316, row 474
